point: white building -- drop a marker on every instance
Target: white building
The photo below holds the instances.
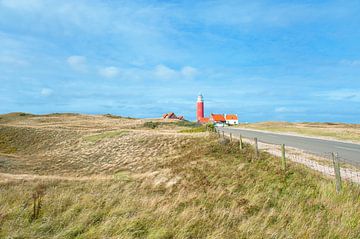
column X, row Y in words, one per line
column 232, row 119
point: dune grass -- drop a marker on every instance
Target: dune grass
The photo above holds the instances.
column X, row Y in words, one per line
column 199, row 129
column 222, row 192
column 98, row 137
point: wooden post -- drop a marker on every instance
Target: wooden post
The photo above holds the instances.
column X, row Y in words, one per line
column 256, row 147
column 337, row 171
column 240, row 142
column 283, row 158
column 230, row 137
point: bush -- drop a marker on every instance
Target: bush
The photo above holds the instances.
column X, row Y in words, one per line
column 151, row 125
column 210, row 126
column 186, row 123
column 112, row 116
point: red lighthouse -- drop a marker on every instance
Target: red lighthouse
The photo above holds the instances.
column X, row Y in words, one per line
column 200, row 108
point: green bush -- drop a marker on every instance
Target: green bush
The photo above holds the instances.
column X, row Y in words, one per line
column 151, row 125
column 186, row 123
column 210, row 126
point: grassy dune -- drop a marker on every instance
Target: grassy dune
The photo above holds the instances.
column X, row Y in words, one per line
column 339, row 131
column 157, row 183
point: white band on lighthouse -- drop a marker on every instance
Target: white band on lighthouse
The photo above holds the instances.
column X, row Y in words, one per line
column 200, row 98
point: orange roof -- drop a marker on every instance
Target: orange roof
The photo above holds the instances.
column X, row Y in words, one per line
column 218, row 117
column 204, row 120
column 231, row 117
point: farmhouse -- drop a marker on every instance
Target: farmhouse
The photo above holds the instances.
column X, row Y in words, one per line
column 231, row 119
column 172, row 115
column 218, row 119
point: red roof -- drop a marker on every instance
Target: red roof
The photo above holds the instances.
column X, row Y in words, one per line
column 218, row 117
column 172, row 115
column 204, row 120
column 231, row 117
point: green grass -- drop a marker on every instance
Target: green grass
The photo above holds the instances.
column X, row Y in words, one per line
column 193, row 130
column 180, row 123
column 98, row 137
column 151, row 125
column 223, row 193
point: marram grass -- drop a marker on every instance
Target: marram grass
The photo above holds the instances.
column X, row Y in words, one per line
column 221, row 193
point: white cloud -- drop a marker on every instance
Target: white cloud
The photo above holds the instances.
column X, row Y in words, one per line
column 289, row 110
column 165, row 72
column 46, row 92
column 109, row 72
column 77, row 63
column 189, row 72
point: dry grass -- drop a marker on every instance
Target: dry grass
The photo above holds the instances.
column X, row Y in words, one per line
column 338, row 131
column 161, row 184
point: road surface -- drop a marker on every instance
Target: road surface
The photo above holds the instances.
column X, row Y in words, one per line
column 348, row 152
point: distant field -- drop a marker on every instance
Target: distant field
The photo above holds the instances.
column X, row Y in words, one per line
column 339, row 131
column 113, row 177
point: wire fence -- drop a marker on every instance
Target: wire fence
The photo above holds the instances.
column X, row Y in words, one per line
column 328, row 163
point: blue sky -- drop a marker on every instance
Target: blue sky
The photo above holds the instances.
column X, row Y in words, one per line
column 265, row 60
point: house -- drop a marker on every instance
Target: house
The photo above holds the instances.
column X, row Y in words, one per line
column 218, row 119
column 204, row 120
column 231, row 119
column 172, row 115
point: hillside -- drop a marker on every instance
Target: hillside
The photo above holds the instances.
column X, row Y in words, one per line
column 113, row 177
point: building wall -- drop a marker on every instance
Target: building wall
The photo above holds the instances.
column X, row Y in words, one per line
column 232, row 122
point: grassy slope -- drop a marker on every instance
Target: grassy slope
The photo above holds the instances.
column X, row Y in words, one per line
column 219, row 192
column 331, row 130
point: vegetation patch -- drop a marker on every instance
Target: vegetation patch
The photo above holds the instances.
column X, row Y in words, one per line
column 179, row 123
column 161, row 185
column 6, row 145
column 106, row 135
column 122, row 176
column 193, row 130
column 151, row 124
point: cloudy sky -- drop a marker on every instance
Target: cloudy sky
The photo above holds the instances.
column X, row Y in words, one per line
column 265, row 60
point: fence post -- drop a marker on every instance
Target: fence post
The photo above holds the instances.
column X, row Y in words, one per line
column 283, row 158
column 336, row 163
column 230, row 137
column 240, row 142
column 256, row 147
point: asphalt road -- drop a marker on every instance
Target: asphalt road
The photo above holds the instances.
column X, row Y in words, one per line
column 348, row 152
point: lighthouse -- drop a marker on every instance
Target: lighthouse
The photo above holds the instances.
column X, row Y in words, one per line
column 200, row 108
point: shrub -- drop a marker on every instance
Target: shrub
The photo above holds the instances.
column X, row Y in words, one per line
column 151, row 125
column 186, row 123
column 112, row 116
